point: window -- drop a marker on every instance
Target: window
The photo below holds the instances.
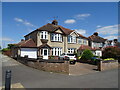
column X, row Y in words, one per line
column 85, row 42
column 56, row 37
column 44, row 35
column 56, row 51
column 79, row 41
column 71, row 39
column 71, row 50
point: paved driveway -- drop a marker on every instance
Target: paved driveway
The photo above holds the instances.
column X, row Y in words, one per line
column 32, row 78
column 82, row 69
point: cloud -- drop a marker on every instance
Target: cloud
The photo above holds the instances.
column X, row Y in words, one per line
column 98, row 26
column 24, row 22
column 108, row 30
column 18, row 19
column 69, row 21
column 82, row 16
column 81, row 31
column 111, row 37
column 6, row 39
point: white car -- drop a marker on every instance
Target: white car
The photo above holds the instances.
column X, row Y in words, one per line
column 65, row 56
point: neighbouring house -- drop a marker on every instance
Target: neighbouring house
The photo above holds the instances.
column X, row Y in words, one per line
column 49, row 40
column 97, row 43
column 113, row 42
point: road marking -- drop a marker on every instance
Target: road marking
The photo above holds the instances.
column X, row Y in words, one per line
column 16, row 85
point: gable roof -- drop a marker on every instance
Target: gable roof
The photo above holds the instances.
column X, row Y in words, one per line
column 82, row 36
column 52, row 28
column 96, row 38
column 26, row 43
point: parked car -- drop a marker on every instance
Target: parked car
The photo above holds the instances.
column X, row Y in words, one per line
column 68, row 56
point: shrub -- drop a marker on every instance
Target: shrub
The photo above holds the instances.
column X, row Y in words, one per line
column 111, row 52
column 5, row 49
column 87, row 54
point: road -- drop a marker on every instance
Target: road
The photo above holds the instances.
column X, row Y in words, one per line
column 33, row 78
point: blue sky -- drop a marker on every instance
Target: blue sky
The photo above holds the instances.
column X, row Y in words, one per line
column 18, row 19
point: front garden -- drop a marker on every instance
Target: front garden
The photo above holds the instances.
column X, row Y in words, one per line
column 109, row 54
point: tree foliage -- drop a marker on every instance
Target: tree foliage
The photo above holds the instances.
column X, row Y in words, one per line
column 111, row 52
column 87, row 54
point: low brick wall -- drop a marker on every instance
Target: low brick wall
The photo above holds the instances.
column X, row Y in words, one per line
column 58, row 67
column 106, row 65
column 109, row 65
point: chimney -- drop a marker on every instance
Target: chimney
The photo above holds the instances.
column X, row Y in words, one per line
column 96, row 34
column 55, row 22
column 22, row 39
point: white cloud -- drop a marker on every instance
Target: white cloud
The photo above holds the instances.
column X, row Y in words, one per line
column 6, row 39
column 24, row 22
column 69, row 21
column 108, row 30
column 111, row 37
column 98, row 26
column 18, row 19
column 82, row 16
column 81, row 31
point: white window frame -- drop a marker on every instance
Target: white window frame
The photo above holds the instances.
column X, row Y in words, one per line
column 44, row 34
column 56, row 37
column 72, row 39
column 58, row 51
column 71, row 50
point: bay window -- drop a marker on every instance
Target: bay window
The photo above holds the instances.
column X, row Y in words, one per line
column 56, row 37
column 56, row 51
column 44, row 35
column 71, row 39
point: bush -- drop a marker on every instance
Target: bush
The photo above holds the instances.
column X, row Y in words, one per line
column 87, row 54
column 5, row 49
column 111, row 52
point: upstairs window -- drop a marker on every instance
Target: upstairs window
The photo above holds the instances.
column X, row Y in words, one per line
column 44, row 35
column 80, row 41
column 56, row 37
column 71, row 39
column 85, row 42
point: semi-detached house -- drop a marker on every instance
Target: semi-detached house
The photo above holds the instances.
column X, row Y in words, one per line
column 50, row 40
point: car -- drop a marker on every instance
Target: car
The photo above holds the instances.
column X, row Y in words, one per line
column 69, row 56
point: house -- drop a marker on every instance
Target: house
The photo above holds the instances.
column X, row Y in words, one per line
column 50, row 40
column 96, row 42
column 113, row 42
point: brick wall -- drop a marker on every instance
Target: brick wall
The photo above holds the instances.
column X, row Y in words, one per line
column 58, row 67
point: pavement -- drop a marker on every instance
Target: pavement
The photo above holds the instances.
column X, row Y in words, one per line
column 33, row 78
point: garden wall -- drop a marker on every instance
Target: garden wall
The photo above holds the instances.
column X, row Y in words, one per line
column 106, row 65
column 59, row 67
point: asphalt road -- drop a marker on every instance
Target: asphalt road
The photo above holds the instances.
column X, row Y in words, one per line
column 32, row 78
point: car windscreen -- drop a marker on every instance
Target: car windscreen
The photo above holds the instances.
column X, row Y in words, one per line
column 70, row 54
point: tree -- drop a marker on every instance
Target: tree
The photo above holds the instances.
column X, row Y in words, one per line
column 111, row 52
column 87, row 54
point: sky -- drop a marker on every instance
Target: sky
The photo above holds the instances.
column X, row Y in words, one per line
column 20, row 18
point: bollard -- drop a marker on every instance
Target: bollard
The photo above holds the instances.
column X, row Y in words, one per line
column 8, row 80
column 99, row 64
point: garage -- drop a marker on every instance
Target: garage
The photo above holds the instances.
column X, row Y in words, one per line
column 30, row 52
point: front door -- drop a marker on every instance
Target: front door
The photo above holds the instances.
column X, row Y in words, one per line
column 45, row 53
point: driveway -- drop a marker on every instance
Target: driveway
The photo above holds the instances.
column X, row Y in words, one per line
column 32, row 78
column 82, row 68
